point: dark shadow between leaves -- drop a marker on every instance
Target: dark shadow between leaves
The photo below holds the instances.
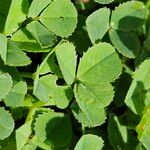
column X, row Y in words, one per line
column 55, row 130
column 130, row 23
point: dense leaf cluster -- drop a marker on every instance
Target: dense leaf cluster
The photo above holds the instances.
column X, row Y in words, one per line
column 74, row 75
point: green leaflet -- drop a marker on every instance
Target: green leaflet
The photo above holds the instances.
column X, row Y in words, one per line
column 37, row 6
column 43, row 36
column 105, row 67
column 129, row 16
column 3, row 47
column 17, row 14
column 66, row 56
column 10, row 52
column 22, row 135
column 16, row 96
column 13, row 53
column 61, row 21
column 26, row 42
column 5, row 84
column 6, row 124
column 138, row 95
column 89, row 142
column 86, row 113
column 126, row 43
column 98, row 24
column 47, row 129
column 143, row 129
column 47, row 90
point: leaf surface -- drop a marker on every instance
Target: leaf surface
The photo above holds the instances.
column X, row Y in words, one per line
column 66, row 56
column 98, row 24
column 89, row 142
column 60, row 19
column 6, row 124
column 129, row 16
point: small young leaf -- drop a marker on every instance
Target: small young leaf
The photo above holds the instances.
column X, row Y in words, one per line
column 37, row 6
column 129, row 16
column 62, row 22
column 98, row 24
column 138, row 95
column 5, row 84
column 104, row 1
column 43, row 36
column 6, row 124
column 66, row 56
column 125, row 42
column 90, row 142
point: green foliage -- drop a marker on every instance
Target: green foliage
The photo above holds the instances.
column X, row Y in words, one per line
column 74, row 74
column 89, row 142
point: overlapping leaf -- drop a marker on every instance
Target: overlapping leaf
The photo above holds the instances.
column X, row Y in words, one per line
column 138, row 95
column 66, row 57
column 17, row 14
column 48, row 130
column 125, row 42
column 47, row 90
column 37, row 6
column 43, row 36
